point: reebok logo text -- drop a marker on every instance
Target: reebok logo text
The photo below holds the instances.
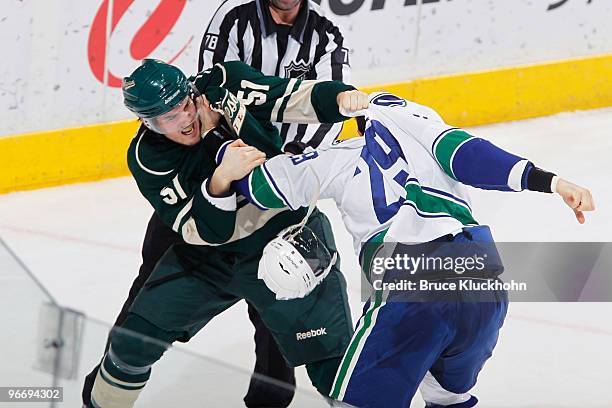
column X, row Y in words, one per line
column 311, row 333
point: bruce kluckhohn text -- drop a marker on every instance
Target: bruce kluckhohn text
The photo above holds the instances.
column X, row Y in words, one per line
column 449, row 285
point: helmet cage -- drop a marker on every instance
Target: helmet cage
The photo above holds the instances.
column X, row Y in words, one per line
column 310, row 248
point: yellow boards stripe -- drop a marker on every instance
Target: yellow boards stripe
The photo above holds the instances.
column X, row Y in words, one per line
column 501, row 95
column 56, row 157
column 96, row 152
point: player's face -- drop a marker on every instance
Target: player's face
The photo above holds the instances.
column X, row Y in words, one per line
column 186, row 123
column 180, row 124
column 285, row 5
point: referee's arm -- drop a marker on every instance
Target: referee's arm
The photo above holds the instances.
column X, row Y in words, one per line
column 331, row 63
column 220, row 42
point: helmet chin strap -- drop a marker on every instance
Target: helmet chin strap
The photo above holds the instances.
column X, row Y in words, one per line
column 311, row 206
column 294, row 230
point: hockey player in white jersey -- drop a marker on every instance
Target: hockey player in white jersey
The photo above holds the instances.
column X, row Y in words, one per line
column 404, row 182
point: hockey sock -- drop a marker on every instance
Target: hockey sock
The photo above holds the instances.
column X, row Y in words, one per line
column 118, row 384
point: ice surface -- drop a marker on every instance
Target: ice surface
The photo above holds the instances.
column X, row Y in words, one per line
column 83, row 241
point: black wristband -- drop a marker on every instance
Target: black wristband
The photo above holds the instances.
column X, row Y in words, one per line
column 539, row 180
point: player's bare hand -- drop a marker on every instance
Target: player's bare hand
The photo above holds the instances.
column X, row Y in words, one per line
column 238, row 160
column 579, row 199
column 350, row 103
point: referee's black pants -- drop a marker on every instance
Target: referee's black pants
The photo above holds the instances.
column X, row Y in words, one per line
column 268, row 359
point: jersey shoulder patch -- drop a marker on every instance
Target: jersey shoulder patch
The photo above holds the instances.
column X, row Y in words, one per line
column 387, row 99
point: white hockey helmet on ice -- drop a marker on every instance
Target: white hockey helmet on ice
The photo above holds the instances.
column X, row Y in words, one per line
column 294, row 263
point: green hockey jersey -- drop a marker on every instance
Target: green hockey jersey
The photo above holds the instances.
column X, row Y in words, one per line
column 172, row 177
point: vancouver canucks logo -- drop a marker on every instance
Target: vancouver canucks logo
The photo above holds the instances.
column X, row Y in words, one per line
column 387, row 99
column 297, row 70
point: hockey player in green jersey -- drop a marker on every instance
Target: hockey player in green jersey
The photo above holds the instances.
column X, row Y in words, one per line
column 217, row 265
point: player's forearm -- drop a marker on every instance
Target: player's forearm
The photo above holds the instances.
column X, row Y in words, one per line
column 214, row 215
column 219, row 186
column 285, row 182
column 198, row 219
column 479, row 163
column 309, row 101
column 259, row 190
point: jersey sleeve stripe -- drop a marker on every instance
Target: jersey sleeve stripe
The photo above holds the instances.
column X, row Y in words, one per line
column 280, row 101
column 298, row 107
column 436, row 140
column 243, row 186
column 277, row 191
column 181, row 215
column 448, row 195
column 261, row 191
column 515, row 178
column 447, row 145
column 227, row 203
column 223, row 72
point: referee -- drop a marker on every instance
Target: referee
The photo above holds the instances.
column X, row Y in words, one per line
column 287, row 38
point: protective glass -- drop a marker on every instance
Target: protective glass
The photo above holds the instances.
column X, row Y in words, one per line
column 180, row 117
column 311, row 248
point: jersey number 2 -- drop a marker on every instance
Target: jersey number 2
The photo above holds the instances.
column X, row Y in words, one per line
column 384, row 155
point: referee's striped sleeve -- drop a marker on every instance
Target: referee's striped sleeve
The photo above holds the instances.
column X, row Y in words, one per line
column 331, row 62
column 220, row 41
column 332, row 55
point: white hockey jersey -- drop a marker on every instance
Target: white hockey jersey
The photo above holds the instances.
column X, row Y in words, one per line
column 402, row 182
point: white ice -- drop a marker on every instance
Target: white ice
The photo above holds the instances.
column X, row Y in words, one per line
column 82, row 241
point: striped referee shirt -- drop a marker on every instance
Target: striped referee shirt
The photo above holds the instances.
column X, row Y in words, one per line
column 312, row 48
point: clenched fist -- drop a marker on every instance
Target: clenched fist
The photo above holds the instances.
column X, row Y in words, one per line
column 578, row 198
column 351, row 102
column 238, row 161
